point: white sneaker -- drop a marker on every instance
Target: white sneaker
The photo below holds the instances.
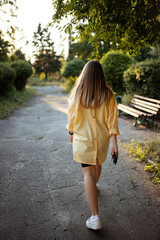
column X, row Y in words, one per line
column 94, row 224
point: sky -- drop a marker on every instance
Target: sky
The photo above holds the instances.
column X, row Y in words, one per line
column 29, row 14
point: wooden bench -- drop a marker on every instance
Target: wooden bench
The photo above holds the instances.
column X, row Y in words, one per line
column 142, row 108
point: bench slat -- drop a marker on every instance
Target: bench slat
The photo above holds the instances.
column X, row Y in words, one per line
column 148, row 99
column 140, row 113
column 144, row 109
column 147, row 104
column 127, row 111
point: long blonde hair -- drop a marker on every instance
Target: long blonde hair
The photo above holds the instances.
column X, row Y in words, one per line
column 91, row 89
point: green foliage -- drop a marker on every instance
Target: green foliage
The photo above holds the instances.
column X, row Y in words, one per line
column 155, row 51
column 129, row 23
column 143, row 54
column 17, row 55
column 148, row 152
column 69, row 84
column 7, row 77
column 126, row 98
column 34, row 80
column 73, row 68
column 83, row 49
column 14, row 100
column 8, row 7
column 144, row 78
column 23, row 70
column 46, row 61
column 114, row 63
column 4, row 48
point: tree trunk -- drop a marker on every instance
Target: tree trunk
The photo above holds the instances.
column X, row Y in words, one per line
column 46, row 75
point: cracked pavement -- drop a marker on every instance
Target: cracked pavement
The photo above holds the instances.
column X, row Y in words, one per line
column 42, row 193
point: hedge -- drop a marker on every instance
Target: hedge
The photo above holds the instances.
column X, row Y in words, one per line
column 114, row 63
column 7, row 77
column 23, row 70
column 144, row 78
column 73, row 68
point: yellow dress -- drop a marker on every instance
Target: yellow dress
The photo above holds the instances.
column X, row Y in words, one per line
column 92, row 130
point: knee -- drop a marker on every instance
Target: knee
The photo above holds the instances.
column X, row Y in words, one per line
column 89, row 174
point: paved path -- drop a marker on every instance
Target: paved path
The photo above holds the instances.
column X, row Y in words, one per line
column 42, row 194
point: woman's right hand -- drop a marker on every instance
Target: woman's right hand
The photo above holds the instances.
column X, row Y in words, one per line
column 71, row 138
column 115, row 146
column 114, row 150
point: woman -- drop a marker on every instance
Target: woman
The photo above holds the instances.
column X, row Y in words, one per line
column 92, row 121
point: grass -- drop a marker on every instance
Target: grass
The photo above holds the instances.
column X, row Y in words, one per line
column 55, row 80
column 14, row 100
column 147, row 152
column 18, row 99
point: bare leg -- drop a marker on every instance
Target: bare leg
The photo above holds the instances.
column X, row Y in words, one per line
column 91, row 177
column 98, row 171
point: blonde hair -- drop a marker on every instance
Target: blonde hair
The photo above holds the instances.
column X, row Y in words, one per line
column 91, row 89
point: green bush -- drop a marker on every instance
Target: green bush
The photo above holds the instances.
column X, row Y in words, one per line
column 73, row 68
column 143, row 78
column 114, row 63
column 7, row 76
column 23, row 70
column 69, row 84
column 126, row 98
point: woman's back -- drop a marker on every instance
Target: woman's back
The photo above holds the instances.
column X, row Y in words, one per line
column 92, row 130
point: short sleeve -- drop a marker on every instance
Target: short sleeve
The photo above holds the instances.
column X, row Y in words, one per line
column 112, row 119
column 71, row 114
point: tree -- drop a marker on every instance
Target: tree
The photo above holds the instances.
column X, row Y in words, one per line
column 130, row 23
column 8, row 7
column 8, row 10
column 17, row 55
column 84, row 50
column 4, row 48
column 46, row 59
column 143, row 54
